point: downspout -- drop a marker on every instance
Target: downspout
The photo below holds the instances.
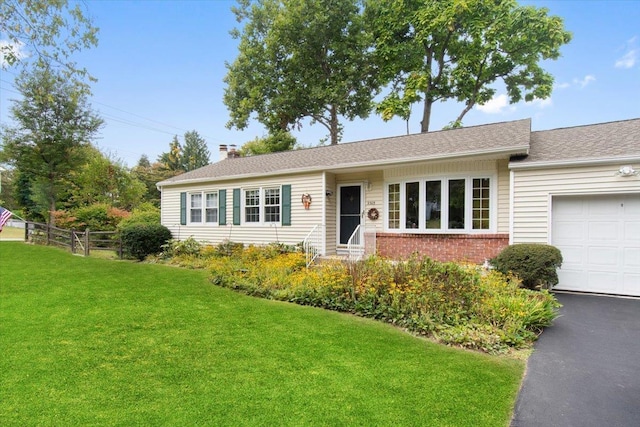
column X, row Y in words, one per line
column 511, row 200
column 324, row 212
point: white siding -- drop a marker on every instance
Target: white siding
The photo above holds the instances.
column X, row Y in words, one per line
column 302, row 221
column 533, row 190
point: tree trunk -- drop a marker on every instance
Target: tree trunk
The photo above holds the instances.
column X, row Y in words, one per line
column 334, row 131
column 426, row 115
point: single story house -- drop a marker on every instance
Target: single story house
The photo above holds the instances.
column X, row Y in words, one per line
column 461, row 194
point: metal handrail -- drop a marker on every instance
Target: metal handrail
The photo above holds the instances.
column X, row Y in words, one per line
column 355, row 249
column 312, row 244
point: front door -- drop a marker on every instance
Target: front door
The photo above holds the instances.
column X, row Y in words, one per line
column 350, row 211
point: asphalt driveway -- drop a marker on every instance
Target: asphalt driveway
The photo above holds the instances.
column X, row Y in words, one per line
column 585, row 370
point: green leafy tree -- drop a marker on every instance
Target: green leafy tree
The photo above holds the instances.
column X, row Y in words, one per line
column 105, row 180
column 273, row 143
column 300, row 59
column 430, row 51
column 195, row 153
column 46, row 32
column 54, row 122
column 172, row 159
column 150, row 174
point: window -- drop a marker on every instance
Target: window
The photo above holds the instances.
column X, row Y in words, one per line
column 456, row 204
column 432, row 204
column 481, row 203
column 272, row 205
column 440, row 205
column 206, row 212
column 394, row 206
column 252, row 205
column 211, row 207
column 195, row 208
column 263, row 205
column 412, row 205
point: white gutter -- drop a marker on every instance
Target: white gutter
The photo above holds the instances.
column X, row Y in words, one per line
column 572, row 162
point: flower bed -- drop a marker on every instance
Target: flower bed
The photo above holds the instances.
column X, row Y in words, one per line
column 454, row 304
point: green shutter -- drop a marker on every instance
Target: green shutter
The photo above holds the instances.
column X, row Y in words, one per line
column 236, row 206
column 286, row 205
column 183, row 208
column 222, row 207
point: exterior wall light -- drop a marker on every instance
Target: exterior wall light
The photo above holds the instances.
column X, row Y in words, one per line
column 626, row 171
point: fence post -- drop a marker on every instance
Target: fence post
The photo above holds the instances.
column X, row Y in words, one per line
column 120, row 244
column 73, row 241
column 86, row 242
column 48, row 234
column 26, row 231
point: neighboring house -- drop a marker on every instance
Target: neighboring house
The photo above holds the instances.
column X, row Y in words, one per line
column 461, row 194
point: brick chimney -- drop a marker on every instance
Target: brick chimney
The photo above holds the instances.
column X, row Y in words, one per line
column 233, row 153
column 223, row 152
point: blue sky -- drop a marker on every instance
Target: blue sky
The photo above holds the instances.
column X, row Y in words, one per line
column 160, row 67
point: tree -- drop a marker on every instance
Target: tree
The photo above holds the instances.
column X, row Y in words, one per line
column 45, row 32
column 443, row 50
column 300, row 59
column 195, row 153
column 150, row 174
column 105, row 180
column 172, row 159
column 53, row 123
column 273, row 143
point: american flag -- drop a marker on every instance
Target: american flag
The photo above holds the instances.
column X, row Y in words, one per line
column 5, row 214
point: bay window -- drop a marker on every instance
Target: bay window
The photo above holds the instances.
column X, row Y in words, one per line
column 440, row 205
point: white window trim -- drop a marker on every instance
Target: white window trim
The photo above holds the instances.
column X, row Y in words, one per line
column 493, row 204
column 203, row 208
column 261, row 205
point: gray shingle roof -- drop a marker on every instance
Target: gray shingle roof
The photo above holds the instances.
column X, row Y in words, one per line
column 602, row 141
column 500, row 138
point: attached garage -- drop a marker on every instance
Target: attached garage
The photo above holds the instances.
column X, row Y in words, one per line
column 599, row 236
column 578, row 189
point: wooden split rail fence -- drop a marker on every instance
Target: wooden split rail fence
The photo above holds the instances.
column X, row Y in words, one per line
column 79, row 242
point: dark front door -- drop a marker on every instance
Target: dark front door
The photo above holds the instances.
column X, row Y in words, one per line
column 350, row 210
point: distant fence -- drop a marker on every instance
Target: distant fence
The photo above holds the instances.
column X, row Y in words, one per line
column 78, row 242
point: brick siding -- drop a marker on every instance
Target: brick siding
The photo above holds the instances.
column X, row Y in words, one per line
column 474, row 248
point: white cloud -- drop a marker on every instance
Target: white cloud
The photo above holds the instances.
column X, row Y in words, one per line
column 542, row 103
column 630, row 58
column 589, row 78
column 561, row 85
column 495, row 105
column 7, row 47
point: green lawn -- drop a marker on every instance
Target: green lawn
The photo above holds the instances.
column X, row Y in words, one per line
column 89, row 341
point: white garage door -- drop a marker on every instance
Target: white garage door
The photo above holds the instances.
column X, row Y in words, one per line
column 599, row 237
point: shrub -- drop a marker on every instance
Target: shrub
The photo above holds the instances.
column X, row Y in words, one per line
column 534, row 264
column 99, row 217
column 180, row 248
column 141, row 240
column 144, row 214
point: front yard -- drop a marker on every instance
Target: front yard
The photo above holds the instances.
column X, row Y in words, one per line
column 96, row 342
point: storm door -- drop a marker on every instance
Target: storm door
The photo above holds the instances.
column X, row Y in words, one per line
column 350, row 211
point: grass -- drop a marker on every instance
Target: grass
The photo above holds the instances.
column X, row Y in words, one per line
column 88, row 341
